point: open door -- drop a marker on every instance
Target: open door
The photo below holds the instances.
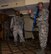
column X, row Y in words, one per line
column 3, row 18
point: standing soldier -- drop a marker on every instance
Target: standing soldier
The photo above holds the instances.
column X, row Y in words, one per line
column 17, row 26
column 42, row 23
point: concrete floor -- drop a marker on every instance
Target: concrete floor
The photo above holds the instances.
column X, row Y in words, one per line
column 30, row 47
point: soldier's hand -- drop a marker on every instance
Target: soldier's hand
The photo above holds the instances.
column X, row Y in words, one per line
column 29, row 11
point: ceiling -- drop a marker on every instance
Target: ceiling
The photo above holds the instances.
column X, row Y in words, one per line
column 32, row 7
column 21, row 8
column 8, row 1
column 10, row 11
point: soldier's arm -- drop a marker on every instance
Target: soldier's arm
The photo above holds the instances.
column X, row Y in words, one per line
column 46, row 15
column 31, row 16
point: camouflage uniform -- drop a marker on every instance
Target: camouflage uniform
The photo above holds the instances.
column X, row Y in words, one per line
column 17, row 26
column 42, row 23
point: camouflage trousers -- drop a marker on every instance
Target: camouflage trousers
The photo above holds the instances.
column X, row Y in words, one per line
column 43, row 34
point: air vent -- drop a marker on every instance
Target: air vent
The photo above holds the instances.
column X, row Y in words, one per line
column 4, row 5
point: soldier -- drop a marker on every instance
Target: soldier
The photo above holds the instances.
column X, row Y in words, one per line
column 17, row 26
column 42, row 23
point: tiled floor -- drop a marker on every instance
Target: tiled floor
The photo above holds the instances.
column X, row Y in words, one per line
column 30, row 47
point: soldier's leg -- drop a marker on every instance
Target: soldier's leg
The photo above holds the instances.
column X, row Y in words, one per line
column 41, row 51
column 21, row 35
column 15, row 36
column 43, row 40
column 43, row 37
